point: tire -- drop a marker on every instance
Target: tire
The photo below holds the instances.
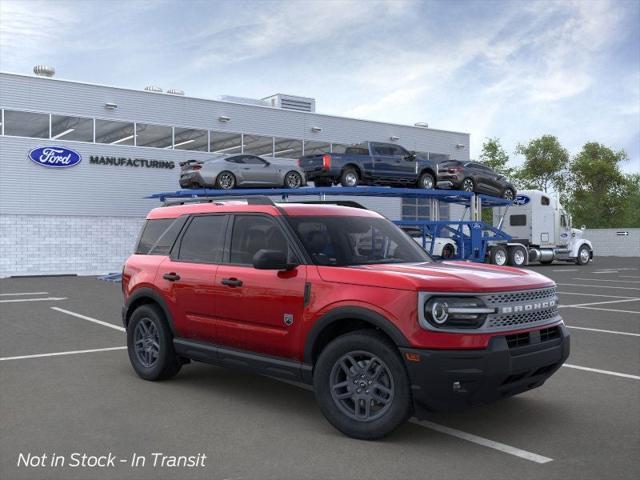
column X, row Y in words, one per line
column 499, row 255
column 349, row 178
column 148, row 328
column 468, row 185
column 292, row 180
column 426, row 182
column 322, row 182
column 584, row 255
column 448, row 251
column 225, row 180
column 508, row 194
column 517, row 256
column 346, row 359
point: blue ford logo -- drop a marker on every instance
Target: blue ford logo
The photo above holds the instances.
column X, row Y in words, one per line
column 55, row 157
column 521, row 200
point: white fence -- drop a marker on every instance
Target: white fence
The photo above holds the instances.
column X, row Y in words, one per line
column 616, row 242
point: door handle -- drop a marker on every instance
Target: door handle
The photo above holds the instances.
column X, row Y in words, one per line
column 231, row 282
column 172, row 277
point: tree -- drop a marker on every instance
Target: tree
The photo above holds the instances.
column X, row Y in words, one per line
column 599, row 194
column 630, row 215
column 495, row 157
column 545, row 164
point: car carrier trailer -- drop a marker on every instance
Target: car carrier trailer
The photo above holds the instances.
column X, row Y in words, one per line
column 474, row 239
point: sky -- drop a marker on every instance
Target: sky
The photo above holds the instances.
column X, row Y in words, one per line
column 508, row 69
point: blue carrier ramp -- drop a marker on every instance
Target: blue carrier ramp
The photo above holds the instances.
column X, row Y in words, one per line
column 471, row 236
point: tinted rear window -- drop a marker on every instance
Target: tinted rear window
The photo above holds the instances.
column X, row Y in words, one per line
column 151, row 233
column 203, row 241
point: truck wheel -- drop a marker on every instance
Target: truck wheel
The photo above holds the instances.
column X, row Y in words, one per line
column 468, row 185
column 517, row 256
column 225, row 180
column 349, row 178
column 498, row 255
column 426, row 181
column 448, row 251
column 362, row 386
column 584, row 255
column 150, row 344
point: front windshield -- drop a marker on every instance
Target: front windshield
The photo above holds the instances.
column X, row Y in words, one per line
column 344, row 241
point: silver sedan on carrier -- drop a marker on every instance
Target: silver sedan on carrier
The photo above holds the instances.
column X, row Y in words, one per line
column 241, row 170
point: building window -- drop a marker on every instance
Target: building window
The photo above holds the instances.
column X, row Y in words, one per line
column 71, row 128
column 316, row 148
column 287, row 148
column 419, row 209
column 113, row 132
column 258, row 145
column 26, row 124
column 224, row 142
column 191, row 139
column 157, row 136
column 338, row 148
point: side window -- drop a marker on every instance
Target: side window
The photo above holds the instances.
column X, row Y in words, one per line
column 252, row 233
column 151, row 232
column 238, row 159
column 544, row 200
column 252, row 160
column 518, row 220
column 563, row 220
column 398, row 151
column 203, row 242
column 163, row 245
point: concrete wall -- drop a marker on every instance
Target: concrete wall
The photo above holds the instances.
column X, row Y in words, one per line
column 607, row 242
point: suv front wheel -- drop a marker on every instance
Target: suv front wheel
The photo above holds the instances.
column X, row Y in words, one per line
column 362, row 386
column 150, row 344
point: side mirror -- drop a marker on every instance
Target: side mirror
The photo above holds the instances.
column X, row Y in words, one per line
column 271, row 260
column 411, row 156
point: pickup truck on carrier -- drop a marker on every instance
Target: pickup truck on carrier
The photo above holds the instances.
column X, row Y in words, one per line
column 372, row 163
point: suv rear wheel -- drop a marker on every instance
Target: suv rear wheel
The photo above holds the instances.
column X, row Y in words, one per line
column 150, row 344
column 362, row 386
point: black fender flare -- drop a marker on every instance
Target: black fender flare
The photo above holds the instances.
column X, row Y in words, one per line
column 146, row 293
column 351, row 313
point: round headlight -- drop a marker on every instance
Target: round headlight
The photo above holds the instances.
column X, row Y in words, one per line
column 439, row 312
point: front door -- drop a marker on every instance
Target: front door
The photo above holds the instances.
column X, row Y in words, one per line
column 391, row 163
column 258, row 310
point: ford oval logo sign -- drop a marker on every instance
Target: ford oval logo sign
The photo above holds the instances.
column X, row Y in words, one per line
column 521, row 200
column 55, row 157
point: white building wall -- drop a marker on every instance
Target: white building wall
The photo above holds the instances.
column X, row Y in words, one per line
column 612, row 242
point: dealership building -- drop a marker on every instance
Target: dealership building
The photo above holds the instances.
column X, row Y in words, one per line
column 126, row 144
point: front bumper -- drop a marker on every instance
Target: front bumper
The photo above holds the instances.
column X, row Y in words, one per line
column 453, row 379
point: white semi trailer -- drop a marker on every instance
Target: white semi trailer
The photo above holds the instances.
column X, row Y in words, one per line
column 541, row 232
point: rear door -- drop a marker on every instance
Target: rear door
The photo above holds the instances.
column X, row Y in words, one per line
column 188, row 277
column 258, row 310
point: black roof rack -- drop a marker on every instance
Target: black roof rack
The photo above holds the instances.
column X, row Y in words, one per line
column 342, row 203
column 250, row 199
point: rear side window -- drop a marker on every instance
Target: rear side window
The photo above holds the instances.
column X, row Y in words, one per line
column 518, row 220
column 203, row 241
column 544, row 200
column 252, row 233
column 151, row 233
column 158, row 236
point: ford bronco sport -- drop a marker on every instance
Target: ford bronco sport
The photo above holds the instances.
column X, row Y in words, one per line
column 339, row 298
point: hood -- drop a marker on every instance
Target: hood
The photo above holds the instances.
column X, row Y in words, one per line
column 455, row 276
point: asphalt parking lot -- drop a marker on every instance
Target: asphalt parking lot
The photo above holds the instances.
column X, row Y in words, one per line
column 67, row 386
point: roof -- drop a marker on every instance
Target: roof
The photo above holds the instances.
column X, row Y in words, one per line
column 241, row 206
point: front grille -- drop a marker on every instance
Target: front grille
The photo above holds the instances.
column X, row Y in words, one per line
column 520, row 297
column 547, row 334
column 518, row 340
column 520, row 319
column 523, row 339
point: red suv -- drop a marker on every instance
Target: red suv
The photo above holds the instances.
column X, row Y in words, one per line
column 339, row 298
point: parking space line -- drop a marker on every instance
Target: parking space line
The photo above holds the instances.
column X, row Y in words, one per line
column 485, row 442
column 596, row 286
column 592, row 295
column 89, row 319
column 629, row 276
column 566, row 270
column 633, row 299
column 57, row 354
column 606, row 372
column 610, row 310
column 604, row 331
column 603, row 280
column 22, row 293
column 44, row 299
